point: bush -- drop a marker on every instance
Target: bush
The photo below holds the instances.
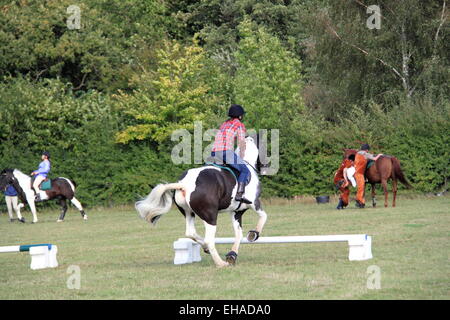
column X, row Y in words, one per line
column 79, row 133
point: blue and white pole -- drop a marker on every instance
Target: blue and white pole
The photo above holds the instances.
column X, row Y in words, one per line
column 42, row 255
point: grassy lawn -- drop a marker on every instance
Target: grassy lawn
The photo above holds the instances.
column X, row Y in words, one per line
column 121, row 257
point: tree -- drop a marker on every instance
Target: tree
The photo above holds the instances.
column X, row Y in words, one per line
column 268, row 79
column 108, row 46
column 172, row 97
column 355, row 64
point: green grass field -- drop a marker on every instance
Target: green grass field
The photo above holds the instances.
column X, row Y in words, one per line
column 121, row 257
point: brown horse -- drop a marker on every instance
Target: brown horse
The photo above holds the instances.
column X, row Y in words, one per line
column 385, row 168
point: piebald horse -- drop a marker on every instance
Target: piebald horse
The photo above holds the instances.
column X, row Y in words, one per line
column 62, row 189
column 207, row 191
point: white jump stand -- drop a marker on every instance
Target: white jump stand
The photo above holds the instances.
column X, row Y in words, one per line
column 360, row 245
column 360, row 248
column 186, row 251
column 42, row 257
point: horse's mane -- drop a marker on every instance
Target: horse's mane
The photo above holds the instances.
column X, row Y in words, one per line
column 17, row 171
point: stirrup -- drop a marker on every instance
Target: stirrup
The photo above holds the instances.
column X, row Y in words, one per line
column 240, row 198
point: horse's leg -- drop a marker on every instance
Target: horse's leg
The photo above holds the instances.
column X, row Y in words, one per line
column 394, row 191
column 191, row 233
column 236, row 221
column 374, row 200
column 63, row 204
column 210, row 240
column 77, row 204
column 384, row 184
column 19, row 215
column 254, row 234
column 30, row 200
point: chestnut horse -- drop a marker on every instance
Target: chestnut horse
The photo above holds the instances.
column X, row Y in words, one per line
column 384, row 169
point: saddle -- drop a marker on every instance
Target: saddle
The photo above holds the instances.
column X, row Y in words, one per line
column 46, row 184
column 217, row 162
column 369, row 164
column 372, row 162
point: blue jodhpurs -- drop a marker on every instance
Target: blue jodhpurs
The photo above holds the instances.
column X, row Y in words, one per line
column 234, row 161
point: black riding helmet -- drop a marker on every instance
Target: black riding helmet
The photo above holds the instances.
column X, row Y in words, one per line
column 236, row 111
column 46, row 153
column 365, row 147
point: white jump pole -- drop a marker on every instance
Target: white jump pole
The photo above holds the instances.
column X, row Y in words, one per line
column 360, row 245
column 42, row 255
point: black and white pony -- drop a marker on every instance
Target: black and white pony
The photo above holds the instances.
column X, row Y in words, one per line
column 62, row 189
column 207, row 191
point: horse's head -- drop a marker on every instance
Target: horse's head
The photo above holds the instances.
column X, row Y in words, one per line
column 349, row 152
column 7, row 177
column 253, row 152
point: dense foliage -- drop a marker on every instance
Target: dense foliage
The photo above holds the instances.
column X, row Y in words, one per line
column 105, row 98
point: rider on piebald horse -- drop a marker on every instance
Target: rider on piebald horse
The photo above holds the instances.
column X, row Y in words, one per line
column 41, row 173
column 209, row 190
column 360, row 166
column 223, row 147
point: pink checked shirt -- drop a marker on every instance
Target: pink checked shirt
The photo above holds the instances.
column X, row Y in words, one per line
column 227, row 132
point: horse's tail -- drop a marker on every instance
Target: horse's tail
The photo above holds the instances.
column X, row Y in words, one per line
column 399, row 173
column 158, row 202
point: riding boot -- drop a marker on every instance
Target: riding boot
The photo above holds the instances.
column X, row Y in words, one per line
column 360, row 205
column 240, row 193
column 340, row 205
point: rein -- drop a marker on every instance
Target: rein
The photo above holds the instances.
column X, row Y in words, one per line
column 251, row 166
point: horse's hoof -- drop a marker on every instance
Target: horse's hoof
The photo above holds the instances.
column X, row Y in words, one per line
column 85, row 218
column 59, row 220
column 22, row 220
column 252, row 235
column 231, row 258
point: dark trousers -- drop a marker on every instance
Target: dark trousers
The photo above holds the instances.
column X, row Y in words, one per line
column 233, row 160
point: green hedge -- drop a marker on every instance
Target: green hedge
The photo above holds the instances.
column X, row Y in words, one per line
column 79, row 131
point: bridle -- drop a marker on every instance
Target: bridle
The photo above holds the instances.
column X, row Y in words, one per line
column 251, row 166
